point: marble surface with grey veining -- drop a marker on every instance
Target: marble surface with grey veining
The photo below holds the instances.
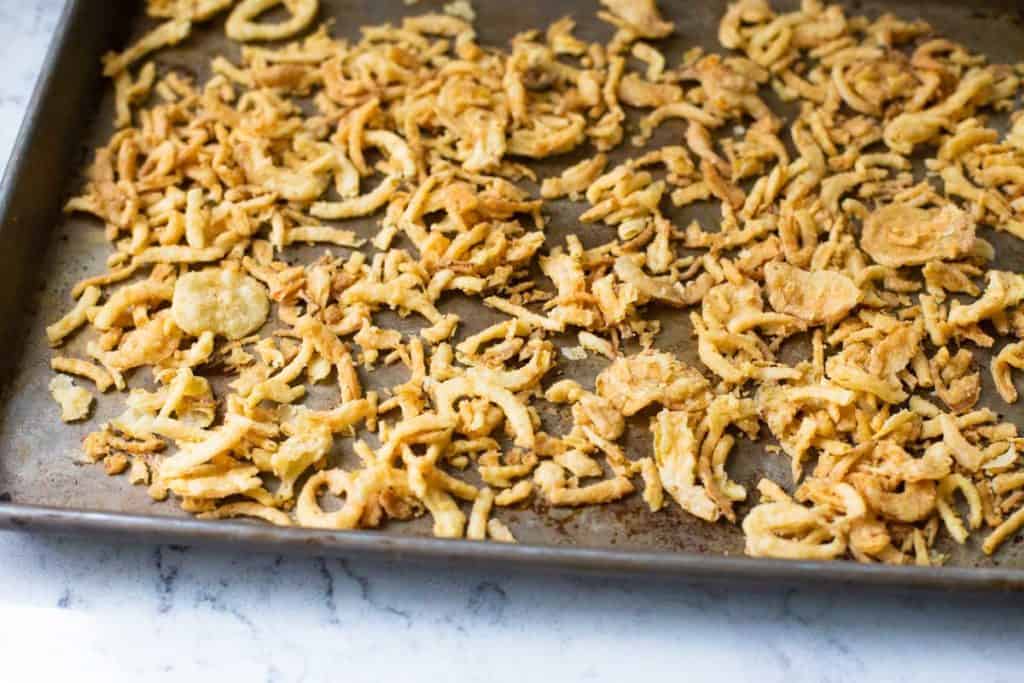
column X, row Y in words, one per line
column 85, row 610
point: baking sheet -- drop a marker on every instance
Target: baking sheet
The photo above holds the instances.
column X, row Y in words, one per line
column 38, row 454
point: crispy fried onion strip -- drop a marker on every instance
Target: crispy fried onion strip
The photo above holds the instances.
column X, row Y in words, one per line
column 790, row 531
column 551, row 479
column 243, row 27
column 447, row 393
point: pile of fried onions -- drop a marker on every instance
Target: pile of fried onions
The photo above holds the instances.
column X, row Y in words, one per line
column 826, row 240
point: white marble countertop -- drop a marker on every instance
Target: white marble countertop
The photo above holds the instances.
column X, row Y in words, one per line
column 84, row 610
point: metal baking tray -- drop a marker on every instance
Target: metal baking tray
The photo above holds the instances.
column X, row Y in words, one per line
column 42, row 488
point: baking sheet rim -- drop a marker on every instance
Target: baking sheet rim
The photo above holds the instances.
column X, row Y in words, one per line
column 157, row 529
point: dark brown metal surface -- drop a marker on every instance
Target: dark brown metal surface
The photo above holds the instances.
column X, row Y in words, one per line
column 45, row 253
